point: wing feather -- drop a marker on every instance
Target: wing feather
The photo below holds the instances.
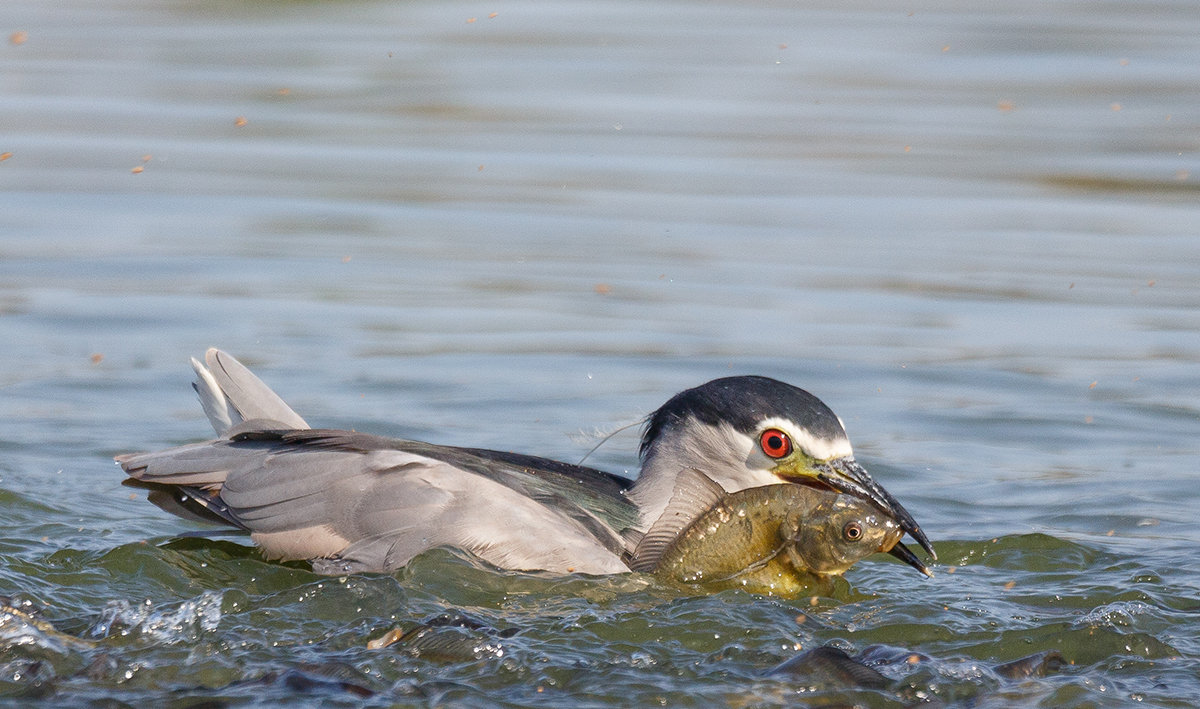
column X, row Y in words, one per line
column 384, row 503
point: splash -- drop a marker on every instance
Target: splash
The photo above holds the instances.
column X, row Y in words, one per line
column 183, row 623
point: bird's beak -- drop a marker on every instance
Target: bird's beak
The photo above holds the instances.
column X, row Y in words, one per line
column 903, row 553
column 846, row 475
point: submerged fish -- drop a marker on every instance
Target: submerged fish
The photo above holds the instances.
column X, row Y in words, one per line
column 448, row 637
column 20, row 625
column 773, row 538
column 829, row 666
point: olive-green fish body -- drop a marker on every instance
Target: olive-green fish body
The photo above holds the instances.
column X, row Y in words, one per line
column 773, row 539
column 745, row 531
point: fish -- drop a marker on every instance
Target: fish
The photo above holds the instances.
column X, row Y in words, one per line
column 827, row 666
column 449, row 637
column 1040, row 664
column 20, row 624
column 775, row 539
column 830, row 667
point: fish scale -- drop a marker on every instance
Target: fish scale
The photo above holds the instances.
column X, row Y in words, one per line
column 772, row 539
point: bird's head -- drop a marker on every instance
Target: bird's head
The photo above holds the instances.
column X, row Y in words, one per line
column 748, row 431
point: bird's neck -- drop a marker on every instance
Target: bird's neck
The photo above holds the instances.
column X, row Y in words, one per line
column 719, row 451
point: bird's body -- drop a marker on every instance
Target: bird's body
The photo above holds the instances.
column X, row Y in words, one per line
column 353, row 502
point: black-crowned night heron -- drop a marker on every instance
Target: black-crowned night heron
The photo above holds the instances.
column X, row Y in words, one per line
column 352, row 502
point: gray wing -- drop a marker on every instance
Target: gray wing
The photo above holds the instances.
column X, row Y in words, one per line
column 367, row 503
column 593, row 498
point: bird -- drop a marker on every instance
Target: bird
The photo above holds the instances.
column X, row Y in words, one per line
column 351, row 502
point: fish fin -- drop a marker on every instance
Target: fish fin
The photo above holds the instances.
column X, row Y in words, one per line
column 632, row 538
column 695, row 493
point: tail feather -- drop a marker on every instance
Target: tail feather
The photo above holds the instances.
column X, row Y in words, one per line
column 187, row 480
column 221, row 414
column 197, row 465
column 231, row 394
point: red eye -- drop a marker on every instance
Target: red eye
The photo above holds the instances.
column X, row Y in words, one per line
column 775, row 443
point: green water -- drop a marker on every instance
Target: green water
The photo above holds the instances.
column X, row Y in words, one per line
column 209, row 620
column 971, row 229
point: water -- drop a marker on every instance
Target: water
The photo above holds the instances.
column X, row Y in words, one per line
column 972, row 230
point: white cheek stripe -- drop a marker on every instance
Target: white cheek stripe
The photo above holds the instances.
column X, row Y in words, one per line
column 818, row 448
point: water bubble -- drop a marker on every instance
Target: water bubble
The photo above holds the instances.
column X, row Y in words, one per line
column 1119, row 614
column 185, row 622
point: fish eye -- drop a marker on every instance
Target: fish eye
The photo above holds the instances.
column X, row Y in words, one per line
column 852, row 531
column 775, row 443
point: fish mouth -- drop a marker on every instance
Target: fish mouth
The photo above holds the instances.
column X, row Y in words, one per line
column 846, row 475
column 904, row 554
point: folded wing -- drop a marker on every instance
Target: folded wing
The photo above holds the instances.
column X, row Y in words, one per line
column 357, row 502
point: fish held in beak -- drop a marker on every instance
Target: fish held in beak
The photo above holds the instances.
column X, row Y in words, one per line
column 840, row 531
column 770, row 539
column 846, row 475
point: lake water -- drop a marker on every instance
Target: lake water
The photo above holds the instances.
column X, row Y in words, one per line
column 972, row 228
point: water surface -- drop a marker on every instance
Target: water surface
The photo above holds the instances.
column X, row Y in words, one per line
column 970, row 229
